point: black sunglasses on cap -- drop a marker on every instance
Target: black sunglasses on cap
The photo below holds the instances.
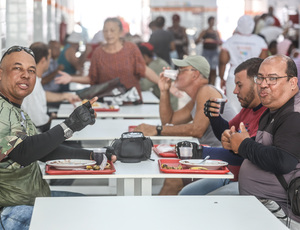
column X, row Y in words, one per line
column 17, row 49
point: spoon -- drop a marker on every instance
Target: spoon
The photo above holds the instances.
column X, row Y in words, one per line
column 207, row 157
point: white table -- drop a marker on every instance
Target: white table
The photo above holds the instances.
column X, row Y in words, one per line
column 136, row 178
column 110, row 129
column 126, row 111
column 148, row 96
column 148, row 213
column 74, row 86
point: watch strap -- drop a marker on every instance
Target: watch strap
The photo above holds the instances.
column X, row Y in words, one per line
column 67, row 131
column 159, row 129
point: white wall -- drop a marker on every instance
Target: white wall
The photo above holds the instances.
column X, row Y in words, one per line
column 2, row 26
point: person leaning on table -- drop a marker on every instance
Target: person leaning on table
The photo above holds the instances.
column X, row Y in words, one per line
column 275, row 149
column 189, row 120
column 21, row 147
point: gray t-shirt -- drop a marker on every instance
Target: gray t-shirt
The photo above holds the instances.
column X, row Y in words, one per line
column 209, row 137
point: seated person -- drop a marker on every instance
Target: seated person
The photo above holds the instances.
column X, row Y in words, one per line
column 39, row 97
column 21, row 147
column 54, row 68
column 275, row 150
column 68, row 57
column 115, row 58
column 190, row 120
column 246, row 92
column 157, row 64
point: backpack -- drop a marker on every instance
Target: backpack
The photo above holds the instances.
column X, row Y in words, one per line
column 293, row 192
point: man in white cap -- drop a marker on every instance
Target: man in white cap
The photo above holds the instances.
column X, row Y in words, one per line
column 241, row 46
column 190, row 120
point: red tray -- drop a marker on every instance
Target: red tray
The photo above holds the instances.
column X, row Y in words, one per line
column 175, row 163
column 165, row 154
column 106, row 110
column 53, row 171
column 168, row 154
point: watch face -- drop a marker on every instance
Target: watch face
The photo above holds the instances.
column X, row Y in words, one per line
column 68, row 133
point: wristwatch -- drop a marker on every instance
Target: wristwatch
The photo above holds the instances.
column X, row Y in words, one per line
column 159, row 128
column 67, row 131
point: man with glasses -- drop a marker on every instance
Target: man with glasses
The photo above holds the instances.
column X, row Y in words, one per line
column 21, row 147
column 275, row 150
column 190, row 120
column 246, row 92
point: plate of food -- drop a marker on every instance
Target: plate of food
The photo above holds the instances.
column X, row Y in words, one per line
column 89, row 169
column 169, row 165
column 68, row 164
column 100, row 107
column 208, row 164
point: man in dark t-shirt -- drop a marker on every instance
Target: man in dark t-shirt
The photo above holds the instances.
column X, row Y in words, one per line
column 162, row 40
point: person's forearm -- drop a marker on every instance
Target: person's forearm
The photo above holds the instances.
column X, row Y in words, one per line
column 219, row 125
column 66, row 152
column 222, row 70
column 165, row 109
column 151, row 75
column 224, row 58
column 38, row 146
column 268, row 158
column 81, row 79
column 188, row 130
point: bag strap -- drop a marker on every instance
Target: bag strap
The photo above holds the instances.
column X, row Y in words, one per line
column 282, row 181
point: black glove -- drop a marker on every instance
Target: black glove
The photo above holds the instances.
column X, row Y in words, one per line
column 81, row 117
column 109, row 152
column 208, row 105
column 100, row 159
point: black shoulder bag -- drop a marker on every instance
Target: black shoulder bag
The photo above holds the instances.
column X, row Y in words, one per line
column 293, row 192
column 132, row 147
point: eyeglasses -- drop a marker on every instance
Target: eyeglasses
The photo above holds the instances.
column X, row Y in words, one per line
column 271, row 79
column 17, row 49
column 185, row 70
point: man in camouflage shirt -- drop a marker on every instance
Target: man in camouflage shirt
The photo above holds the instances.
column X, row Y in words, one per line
column 21, row 147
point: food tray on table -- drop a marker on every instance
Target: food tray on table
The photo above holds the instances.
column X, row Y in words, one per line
column 51, row 170
column 113, row 109
column 170, row 151
column 101, row 107
column 175, row 163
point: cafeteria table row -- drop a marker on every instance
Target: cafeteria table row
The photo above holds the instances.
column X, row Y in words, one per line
column 135, row 179
column 148, row 96
column 125, row 111
column 155, row 212
column 110, row 129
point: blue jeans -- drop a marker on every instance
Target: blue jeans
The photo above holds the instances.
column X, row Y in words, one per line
column 19, row 217
column 203, row 186
column 215, row 186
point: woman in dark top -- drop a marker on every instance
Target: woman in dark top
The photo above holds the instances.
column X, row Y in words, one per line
column 211, row 41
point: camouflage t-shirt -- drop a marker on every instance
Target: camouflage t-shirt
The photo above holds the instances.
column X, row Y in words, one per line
column 15, row 126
